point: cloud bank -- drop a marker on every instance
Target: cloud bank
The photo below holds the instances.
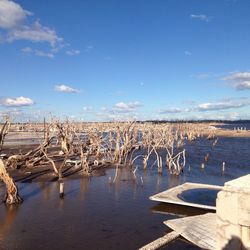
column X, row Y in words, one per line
column 12, row 14
column 210, row 106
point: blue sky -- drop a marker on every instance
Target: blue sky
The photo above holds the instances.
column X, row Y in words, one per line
column 104, row 60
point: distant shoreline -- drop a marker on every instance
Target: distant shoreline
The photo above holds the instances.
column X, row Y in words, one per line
column 218, row 122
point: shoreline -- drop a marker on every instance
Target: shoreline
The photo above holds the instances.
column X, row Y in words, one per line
column 24, row 138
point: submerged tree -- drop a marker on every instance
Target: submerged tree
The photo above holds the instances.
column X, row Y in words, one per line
column 12, row 196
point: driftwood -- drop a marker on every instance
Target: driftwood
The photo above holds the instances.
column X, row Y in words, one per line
column 161, row 242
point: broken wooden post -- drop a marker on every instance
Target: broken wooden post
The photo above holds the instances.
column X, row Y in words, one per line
column 44, row 128
column 223, row 166
column 61, row 194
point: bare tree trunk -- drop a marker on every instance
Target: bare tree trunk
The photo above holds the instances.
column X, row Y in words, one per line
column 12, row 196
column 84, row 162
column 3, row 132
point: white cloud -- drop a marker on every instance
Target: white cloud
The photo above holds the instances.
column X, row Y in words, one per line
column 17, row 102
column 120, row 111
column 65, row 89
column 223, row 105
column 217, row 106
column 226, row 104
column 35, row 33
column 238, row 76
column 72, row 52
column 16, row 26
column 239, row 80
column 36, row 52
column 127, row 107
column 201, row 17
column 11, row 14
column 243, row 85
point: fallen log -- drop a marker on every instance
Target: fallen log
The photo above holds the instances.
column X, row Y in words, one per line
column 160, row 242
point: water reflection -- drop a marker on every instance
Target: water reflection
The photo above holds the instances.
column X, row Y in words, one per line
column 174, row 180
column 84, row 183
column 7, row 219
column 124, row 177
column 180, row 211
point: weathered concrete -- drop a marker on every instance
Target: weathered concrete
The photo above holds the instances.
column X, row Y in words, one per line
column 171, row 195
column 233, row 215
column 228, row 229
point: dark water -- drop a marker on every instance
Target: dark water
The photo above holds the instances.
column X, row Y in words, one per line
column 233, row 126
column 202, row 196
column 97, row 214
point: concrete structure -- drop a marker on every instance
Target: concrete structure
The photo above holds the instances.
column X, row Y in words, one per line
column 172, row 195
column 228, row 229
column 233, row 215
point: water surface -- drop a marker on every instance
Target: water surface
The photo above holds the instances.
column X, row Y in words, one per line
column 202, row 196
column 99, row 214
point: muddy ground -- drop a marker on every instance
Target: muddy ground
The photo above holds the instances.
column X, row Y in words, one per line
column 44, row 170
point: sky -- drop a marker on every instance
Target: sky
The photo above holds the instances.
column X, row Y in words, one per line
column 102, row 60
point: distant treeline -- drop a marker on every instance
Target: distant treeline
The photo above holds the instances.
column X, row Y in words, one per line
column 156, row 122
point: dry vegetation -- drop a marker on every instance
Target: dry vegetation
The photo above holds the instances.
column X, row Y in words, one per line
column 84, row 147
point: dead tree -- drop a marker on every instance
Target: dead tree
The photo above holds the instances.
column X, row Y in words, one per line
column 34, row 156
column 4, row 131
column 66, row 136
column 85, row 162
column 146, row 158
column 12, row 196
